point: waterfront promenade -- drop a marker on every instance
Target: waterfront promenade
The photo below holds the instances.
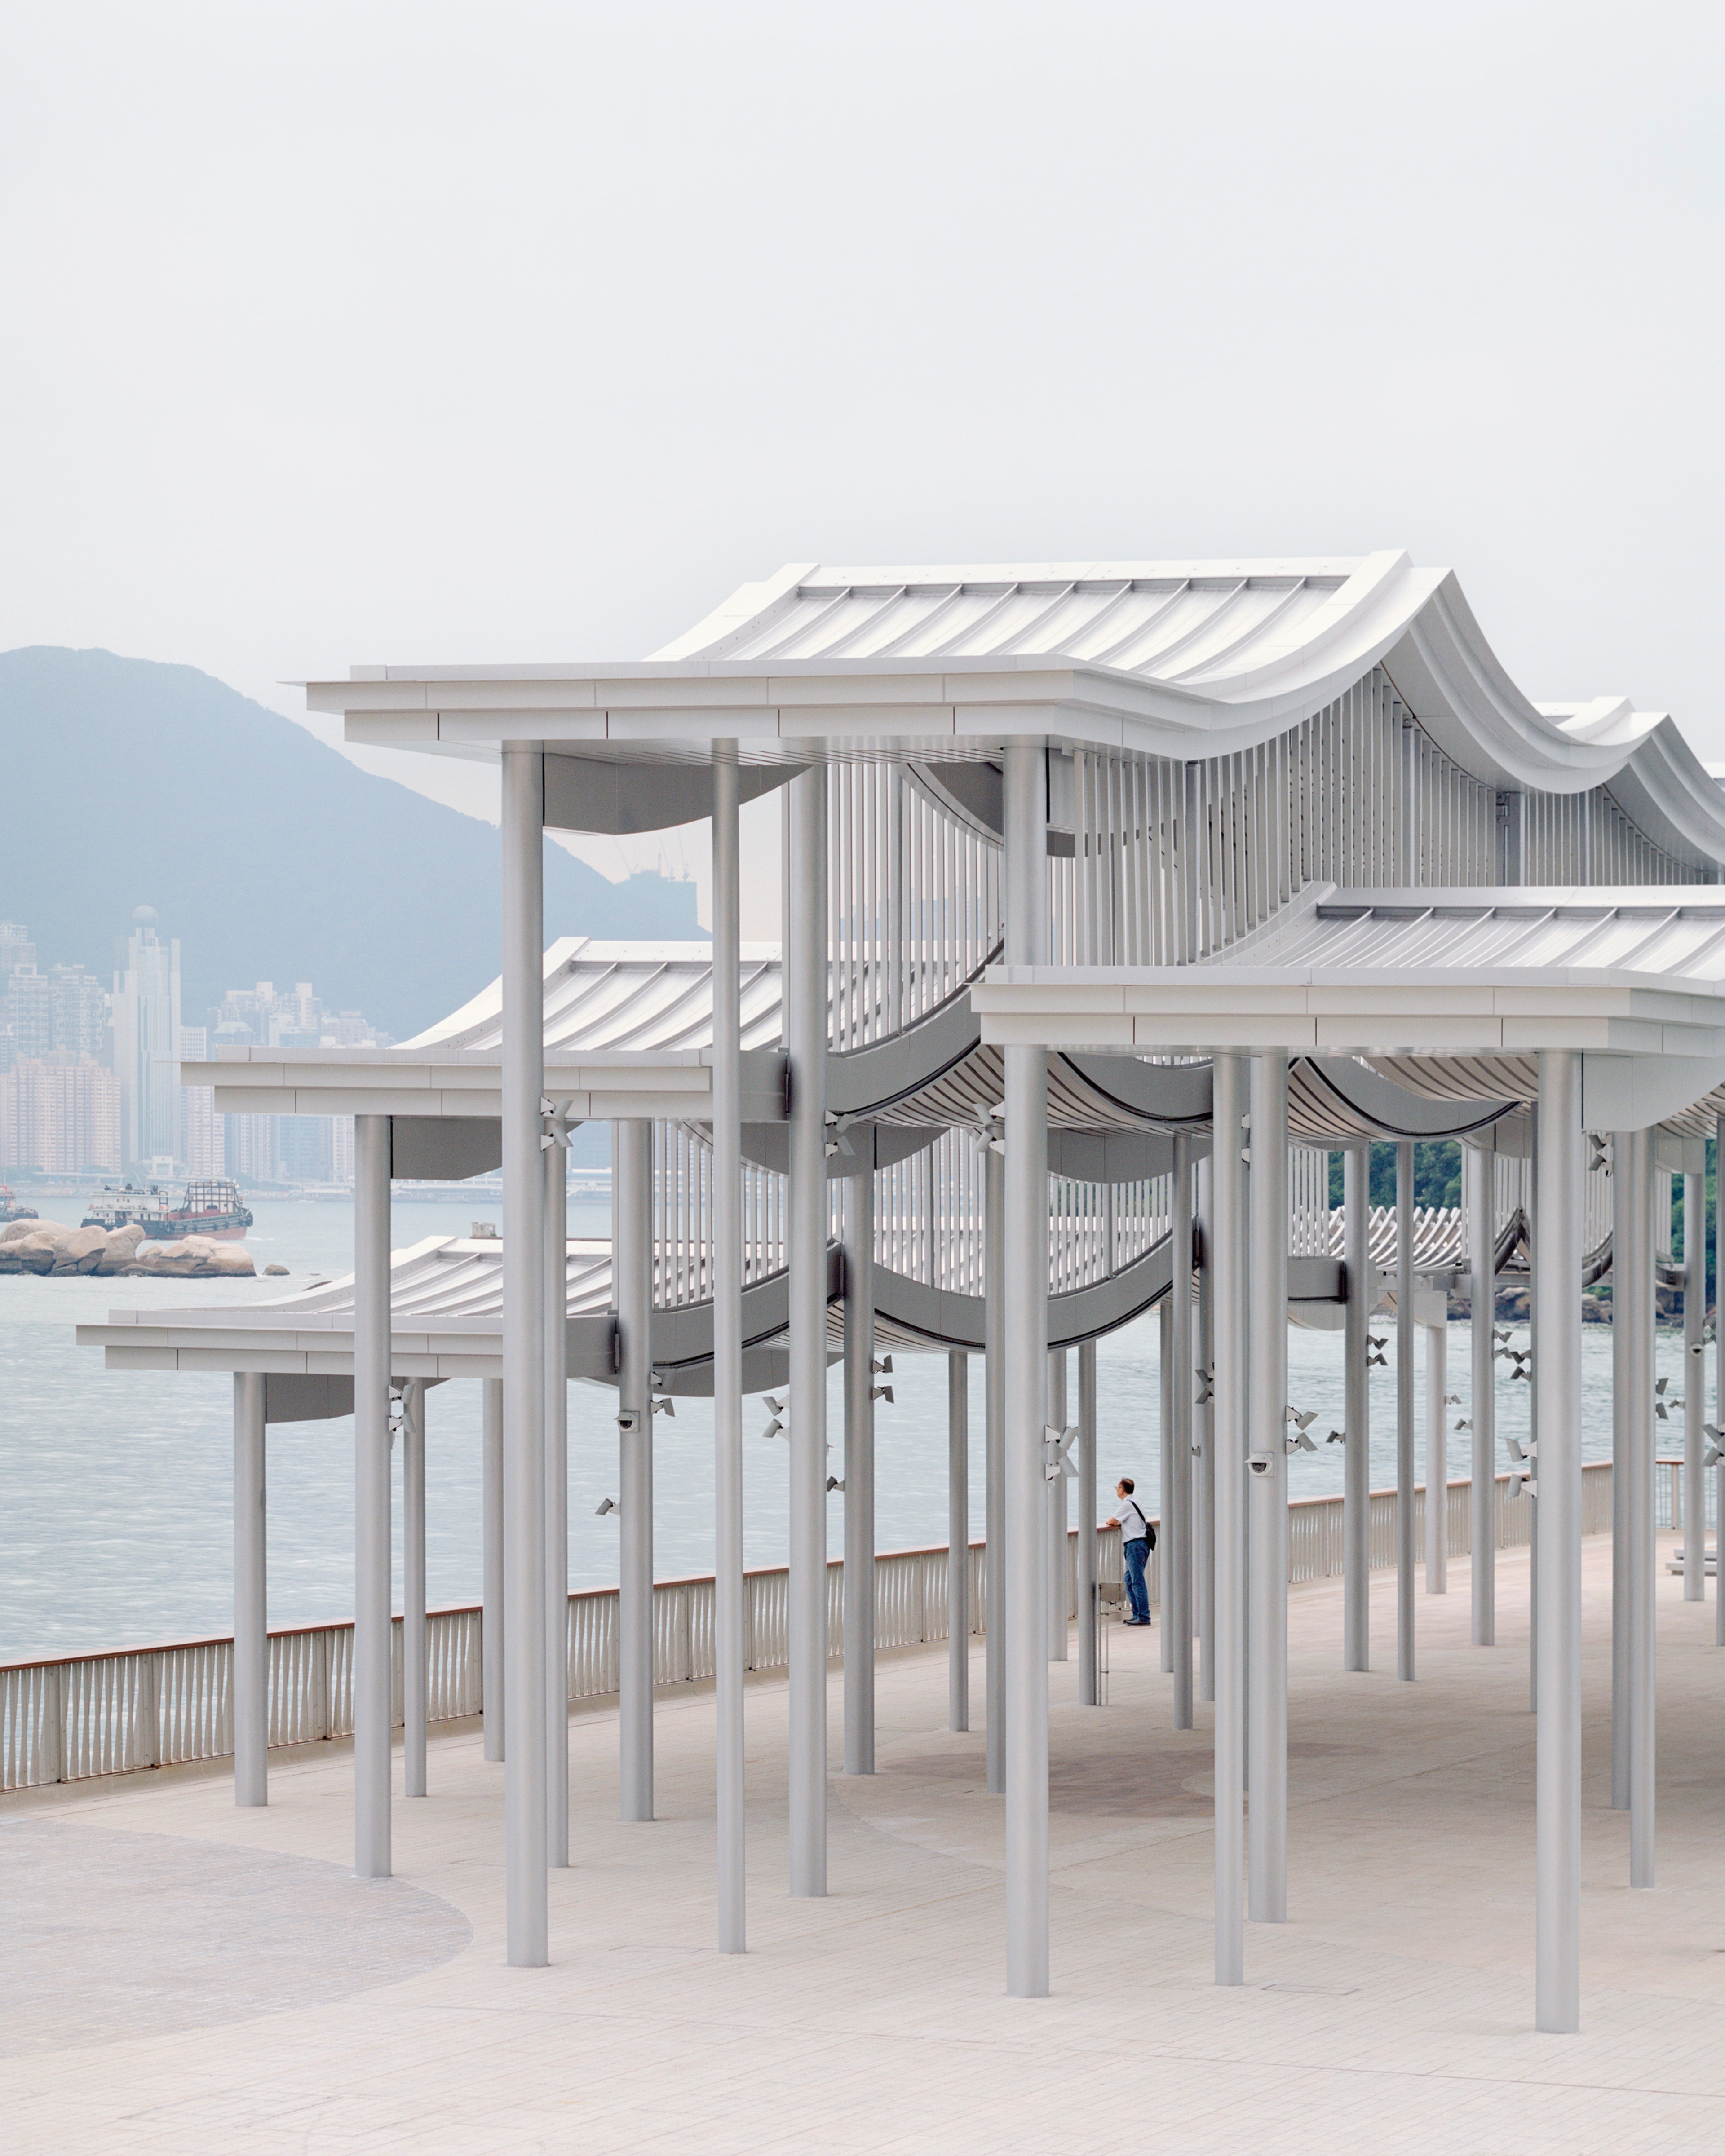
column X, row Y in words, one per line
column 182, row 1976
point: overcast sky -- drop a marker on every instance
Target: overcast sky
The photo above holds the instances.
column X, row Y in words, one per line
column 420, row 332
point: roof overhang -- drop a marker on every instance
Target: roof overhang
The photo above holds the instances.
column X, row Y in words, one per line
column 594, row 1086
column 1449, row 975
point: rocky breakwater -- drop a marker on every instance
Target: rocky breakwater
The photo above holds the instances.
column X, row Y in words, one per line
column 45, row 1247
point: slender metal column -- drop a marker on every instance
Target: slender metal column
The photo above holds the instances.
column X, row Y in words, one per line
column 958, row 1542
column 728, row 1589
column 1533, row 1423
column 1719, row 1380
column 631, row 1170
column 1204, row 1540
column 859, row 1474
column 1639, row 1286
column 1165, row 1467
column 1357, row 1411
column 1482, row 1403
column 1226, row 1245
column 1695, row 1387
column 372, row 1704
column 556, row 1505
column 1624, row 1376
column 1025, row 882
column 523, row 1079
column 1405, row 1413
column 491, row 1612
column 805, row 996
column 994, row 1464
column 1437, row 1462
column 251, row 1597
column 1267, row 1492
column 1557, row 1289
column 1056, row 1499
column 1176, row 1521
column 1087, row 1524
column 414, row 1669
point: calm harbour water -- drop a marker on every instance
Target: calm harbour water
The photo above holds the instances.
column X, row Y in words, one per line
column 116, row 1521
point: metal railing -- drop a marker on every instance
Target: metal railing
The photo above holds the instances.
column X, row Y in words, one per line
column 82, row 1715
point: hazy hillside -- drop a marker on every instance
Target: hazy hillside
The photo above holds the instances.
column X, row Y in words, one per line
column 125, row 783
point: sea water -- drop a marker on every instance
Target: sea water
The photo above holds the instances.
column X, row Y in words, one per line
column 116, row 1486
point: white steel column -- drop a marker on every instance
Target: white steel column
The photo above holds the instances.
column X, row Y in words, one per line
column 1482, row 1402
column 859, row 1474
column 1177, row 1526
column 1405, row 1413
column 1228, row 1414
column 1025, row 878
column 994, row 1464
column 556, row 1504
column 1204, row 1539
column 632, row 1174
column 1719, row 1381
column 1437, row 1462
column 1357, row 1411
column 806, row 1032
column 1057, row 1503
column 1267, row 1492
column 728, row 1589
column 1087, row 1525
column 958, row 1542
column 1624, row 1376
column 1695, row 1387
column 1165, row 1465
column 373, row 1701
column 414, row 1670
column 1534, row 1425
column 491, row 1510
column 523, row 1078
column 251, row 1595
column 1640, row 1707
column 1557, row 1289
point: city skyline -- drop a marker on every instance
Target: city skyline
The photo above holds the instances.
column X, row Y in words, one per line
column 89, row 1080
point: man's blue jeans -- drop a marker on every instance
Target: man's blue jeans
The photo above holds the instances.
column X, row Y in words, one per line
column 1135, row 1555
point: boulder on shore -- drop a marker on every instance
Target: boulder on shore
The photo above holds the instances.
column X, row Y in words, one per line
column 48, row 1247
column 40, row 1250
column 122, row 1250
column 82, row 1250
column 193, row 1257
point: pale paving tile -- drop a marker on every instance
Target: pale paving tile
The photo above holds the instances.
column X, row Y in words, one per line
column 1395, row 2004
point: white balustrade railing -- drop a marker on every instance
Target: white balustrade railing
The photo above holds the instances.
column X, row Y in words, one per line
column 84, row 1715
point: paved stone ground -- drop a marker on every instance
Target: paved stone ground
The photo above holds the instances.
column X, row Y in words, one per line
column 1393, row 2010
column 111, row 1935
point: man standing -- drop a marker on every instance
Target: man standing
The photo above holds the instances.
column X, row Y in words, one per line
column 1137, row 1538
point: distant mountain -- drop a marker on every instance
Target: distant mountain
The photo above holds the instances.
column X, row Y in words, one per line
column 125, row 783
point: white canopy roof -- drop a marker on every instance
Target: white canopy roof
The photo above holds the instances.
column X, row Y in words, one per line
column 1635, row 978
column 1174, row 658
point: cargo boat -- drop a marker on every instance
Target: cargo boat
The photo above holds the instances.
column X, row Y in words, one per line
column 10, row 1209
column 211, row 1208
column 115, row 1209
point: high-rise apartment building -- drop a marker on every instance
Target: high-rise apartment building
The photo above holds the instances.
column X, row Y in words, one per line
column 79, row 1013
column 30, row 1014
column 203, row 1136
column 147, row 1042
column 62, row 1117
column 16, row 950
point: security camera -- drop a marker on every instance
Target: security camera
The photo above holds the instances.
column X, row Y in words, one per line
column 1260, row 1462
